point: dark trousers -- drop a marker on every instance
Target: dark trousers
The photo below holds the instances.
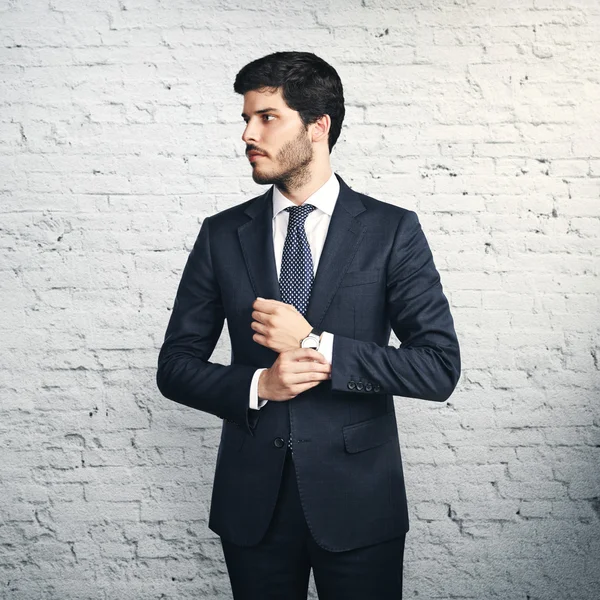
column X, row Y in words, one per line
column 278, row 567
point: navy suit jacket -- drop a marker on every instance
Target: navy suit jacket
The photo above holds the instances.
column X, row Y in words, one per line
column 376, row 273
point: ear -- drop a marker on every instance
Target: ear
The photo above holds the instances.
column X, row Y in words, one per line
column 320, row 129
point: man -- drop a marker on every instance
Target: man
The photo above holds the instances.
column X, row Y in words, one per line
column 311, row 277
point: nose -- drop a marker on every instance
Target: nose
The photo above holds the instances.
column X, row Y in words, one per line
column 250, row 133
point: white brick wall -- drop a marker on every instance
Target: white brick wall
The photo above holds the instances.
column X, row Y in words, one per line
column 119, row 132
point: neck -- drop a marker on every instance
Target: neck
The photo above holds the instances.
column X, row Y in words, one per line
column 318, row 176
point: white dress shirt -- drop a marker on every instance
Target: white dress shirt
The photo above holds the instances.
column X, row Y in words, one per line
column 316, row 227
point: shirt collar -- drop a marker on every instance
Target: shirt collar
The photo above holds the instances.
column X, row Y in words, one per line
column 324, row 198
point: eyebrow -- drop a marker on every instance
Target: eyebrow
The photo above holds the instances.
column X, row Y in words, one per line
column 261, row 111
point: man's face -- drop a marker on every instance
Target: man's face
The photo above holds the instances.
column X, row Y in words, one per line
column 278, row 144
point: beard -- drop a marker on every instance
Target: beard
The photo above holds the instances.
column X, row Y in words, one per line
column 293, row 164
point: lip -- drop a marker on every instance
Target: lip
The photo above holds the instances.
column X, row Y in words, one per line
column 254, row 155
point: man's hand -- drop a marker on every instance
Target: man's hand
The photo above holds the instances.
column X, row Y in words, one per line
column 278, row 326
column 294, row 372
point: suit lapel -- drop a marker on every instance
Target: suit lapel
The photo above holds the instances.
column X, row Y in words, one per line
column 344, row 236
column 256, row 239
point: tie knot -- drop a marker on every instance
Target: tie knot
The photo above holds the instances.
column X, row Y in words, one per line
column 298, row 214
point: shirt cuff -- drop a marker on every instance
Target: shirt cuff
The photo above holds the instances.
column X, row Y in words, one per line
column 326, row 346
column 255, row 403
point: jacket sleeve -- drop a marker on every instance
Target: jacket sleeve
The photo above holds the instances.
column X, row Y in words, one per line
column 184, row 373
column 427, row 363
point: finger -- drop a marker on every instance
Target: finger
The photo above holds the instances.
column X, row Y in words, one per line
column 308, row 367
column 261, row 304
column 259, row 327
column 261, row 317
column 303, row 366
column 298, row 354
column 302, row 378
column 267, row 305
column 298, row 389
column 260, row 339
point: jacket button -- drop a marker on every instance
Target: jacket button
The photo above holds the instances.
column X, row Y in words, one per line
column 351, row 385
column 279, row 442
column 368, row 387
column 359, row 386
column 377, row 388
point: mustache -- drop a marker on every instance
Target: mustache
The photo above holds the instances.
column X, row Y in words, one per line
column 252, row 147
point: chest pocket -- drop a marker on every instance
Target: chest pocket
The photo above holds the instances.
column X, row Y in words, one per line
column 360, row 277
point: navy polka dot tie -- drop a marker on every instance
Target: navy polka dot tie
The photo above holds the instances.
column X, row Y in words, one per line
column 296, row 275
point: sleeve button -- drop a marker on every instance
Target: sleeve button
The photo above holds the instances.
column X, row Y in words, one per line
column 351, row 385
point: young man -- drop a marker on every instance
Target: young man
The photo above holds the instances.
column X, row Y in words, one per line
column 311, row 277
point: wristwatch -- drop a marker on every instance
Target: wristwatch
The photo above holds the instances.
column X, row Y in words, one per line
column 312, row 340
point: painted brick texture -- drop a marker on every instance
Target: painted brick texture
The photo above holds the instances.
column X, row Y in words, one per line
column 120, row 132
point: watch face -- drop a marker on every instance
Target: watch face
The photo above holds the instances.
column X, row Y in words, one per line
column 310, row 342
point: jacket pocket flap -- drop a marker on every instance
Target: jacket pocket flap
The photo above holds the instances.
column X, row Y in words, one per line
column 360, row 277
column 369, row 434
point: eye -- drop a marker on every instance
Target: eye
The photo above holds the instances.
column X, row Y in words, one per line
column 268, row 117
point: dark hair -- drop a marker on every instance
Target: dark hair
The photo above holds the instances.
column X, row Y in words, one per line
column 308, row 85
